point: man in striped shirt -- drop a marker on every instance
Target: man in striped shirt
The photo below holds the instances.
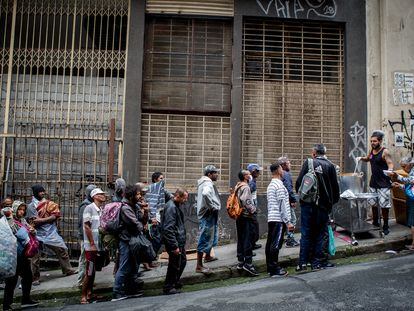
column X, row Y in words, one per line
column 278, row 220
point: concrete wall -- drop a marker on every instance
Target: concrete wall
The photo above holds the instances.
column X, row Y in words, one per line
column 390, row 46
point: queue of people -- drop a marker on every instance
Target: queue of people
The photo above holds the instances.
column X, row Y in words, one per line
column 142, row 217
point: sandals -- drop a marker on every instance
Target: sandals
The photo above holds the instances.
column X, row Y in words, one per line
column 204, row 270
column 210, row 259
column 410, row 247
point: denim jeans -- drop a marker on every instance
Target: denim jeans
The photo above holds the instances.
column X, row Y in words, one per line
column 127, row 270
column 314, row 230
column 208, row 228
column 293, row 221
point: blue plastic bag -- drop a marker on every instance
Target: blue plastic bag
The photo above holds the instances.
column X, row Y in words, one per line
column 8, row 250
column 408, row 189
column 332, row 247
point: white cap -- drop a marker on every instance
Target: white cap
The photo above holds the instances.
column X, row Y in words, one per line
column 96, row 191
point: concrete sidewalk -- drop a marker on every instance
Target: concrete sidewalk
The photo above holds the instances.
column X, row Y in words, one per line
column 54, row 285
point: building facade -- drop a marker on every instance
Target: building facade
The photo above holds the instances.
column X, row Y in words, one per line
column 92, row 90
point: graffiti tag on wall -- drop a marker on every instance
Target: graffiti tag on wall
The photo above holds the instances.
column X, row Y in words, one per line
column 404, row 126
column 358, row 135
column 299, row 8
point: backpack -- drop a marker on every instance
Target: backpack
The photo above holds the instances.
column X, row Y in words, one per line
column 309, row 188
column 234, row 208
column 109, row 219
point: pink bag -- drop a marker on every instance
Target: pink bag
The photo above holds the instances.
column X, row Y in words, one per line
column 32, row 247
column 110, row 216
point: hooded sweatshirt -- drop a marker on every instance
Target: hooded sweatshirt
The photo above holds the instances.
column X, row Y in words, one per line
column 208, row 198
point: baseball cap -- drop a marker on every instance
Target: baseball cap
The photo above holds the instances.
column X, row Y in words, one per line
column 254, row 166
column 210, row 169
column 96, row 191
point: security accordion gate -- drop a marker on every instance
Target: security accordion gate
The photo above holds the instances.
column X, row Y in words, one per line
column 293, row 86
column 62, row 71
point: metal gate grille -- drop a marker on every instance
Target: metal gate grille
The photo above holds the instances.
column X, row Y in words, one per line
column 62, row 82
column 292, row 91
column 180, row 146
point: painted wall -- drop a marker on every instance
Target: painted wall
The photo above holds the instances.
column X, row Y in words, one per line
column 390, row 46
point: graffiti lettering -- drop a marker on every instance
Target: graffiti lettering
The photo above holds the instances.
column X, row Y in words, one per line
column 358, row 135
column 299, row 8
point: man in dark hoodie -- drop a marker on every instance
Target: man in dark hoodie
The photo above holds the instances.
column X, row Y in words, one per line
column 127, row 282
column 174, row 238
column 245, row 225
column 82, row 263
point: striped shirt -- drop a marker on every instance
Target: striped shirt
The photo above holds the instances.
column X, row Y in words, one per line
column 278, row 208
column 92, row 214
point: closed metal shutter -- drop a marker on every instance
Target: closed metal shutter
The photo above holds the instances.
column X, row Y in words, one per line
column 181, row 146
column 191, row 7
column 292, row 92
column 187, row 65
column 62, row 83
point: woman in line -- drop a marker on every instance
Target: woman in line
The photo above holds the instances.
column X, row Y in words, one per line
column 15, row 217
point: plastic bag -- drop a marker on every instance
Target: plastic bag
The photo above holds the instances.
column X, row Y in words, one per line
column 141, row 247
column 332, row 247
column 8, row 250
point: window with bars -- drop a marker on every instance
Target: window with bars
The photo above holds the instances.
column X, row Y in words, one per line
column 187, row 65
column 292, row 91
column 292, row 51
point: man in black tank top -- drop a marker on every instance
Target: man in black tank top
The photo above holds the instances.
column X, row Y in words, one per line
column 380, row 183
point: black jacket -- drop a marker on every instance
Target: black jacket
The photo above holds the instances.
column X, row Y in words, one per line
column 129, row 221
column 173, row 229
column 326, row 173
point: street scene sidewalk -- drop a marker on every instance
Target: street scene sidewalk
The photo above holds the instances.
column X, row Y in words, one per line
column 53, row 284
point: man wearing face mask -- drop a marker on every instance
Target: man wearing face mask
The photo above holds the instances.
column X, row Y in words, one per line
column 255, row 171
column 43, row 214
column 380, row 160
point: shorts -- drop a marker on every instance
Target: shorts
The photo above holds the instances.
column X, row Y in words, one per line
column 384, row 197
column 90, row 257
column 208, row 237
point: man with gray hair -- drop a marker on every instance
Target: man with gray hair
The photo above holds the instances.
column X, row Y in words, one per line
column 288, row 183
column 208, row 207
column 315, row 215
column 380, row 160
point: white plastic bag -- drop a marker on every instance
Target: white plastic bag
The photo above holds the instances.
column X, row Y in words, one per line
column 8, row 250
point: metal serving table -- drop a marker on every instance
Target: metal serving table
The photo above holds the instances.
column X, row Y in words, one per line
column 351, row 213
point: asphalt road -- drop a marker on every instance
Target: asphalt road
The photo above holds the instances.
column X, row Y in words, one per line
column 380, row 285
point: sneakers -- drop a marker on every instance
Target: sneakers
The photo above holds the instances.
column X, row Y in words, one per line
column 119, row 297
column 385, row 230
column 279, row 272
column 327, row 265
column 240, row 266
column 300, row 268
column 291, row 242
column 257, row 245
column 36, row 283
column 29, row 304
column 250, row 269
column 172, row 291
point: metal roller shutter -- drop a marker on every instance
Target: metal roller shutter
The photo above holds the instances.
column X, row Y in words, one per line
column 191, row 7
column 292, row 91
column 180, row 146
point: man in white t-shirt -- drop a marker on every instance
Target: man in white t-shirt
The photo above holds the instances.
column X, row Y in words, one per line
column 91, row 243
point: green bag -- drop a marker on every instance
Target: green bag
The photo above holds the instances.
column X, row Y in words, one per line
column 332, row 247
